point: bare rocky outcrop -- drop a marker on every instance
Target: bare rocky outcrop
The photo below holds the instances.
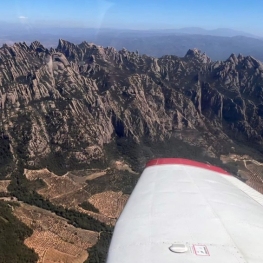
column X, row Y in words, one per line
column 67, row 103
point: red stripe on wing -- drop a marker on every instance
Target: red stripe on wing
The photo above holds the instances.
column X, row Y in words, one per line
column 161, row 161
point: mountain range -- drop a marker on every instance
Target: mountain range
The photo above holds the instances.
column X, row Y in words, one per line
column 64, row 105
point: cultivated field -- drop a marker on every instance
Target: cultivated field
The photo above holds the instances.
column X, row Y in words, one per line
column 249, row 170
column 102, row 194
column 53, row 239
column 69, row 190
column 109, row 203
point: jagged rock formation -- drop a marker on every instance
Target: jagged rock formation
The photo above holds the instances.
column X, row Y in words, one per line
column 65, row 105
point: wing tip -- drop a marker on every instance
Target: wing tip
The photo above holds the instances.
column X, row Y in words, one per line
column 181, row 161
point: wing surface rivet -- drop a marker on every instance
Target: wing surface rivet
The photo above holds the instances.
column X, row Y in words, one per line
column 178, row 248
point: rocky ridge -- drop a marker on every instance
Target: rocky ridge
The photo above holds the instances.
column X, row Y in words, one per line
column 65, row 105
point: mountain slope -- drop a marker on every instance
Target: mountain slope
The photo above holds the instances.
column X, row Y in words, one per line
column 61, row 107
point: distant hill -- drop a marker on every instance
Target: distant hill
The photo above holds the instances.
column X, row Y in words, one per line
column 217, row 48
column 222, row 32
column 217, row 44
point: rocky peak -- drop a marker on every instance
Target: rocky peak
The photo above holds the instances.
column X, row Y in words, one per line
column 36, row 44
column 62, row 44
column 233, row 59
column 197, row 54
column 67, row 48
column 240, row 57
column 193, row 52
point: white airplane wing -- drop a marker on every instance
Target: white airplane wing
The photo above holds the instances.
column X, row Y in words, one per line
column 185, row 211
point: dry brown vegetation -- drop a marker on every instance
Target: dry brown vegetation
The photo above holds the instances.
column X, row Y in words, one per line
column 120, row 165
column 256, row 175
column 3, row 186
column 53, row 239
column 248, row 169
column 109, row 203
column 69, row 190
column 61, row 190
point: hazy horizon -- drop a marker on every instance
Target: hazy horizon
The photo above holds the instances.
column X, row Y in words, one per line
column 9, row 29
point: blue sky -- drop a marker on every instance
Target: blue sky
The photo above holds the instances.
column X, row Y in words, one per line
column 243, row 15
